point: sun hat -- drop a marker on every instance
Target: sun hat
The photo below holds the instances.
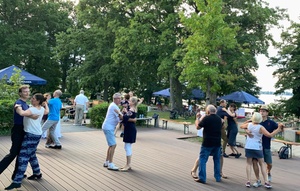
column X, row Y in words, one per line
column 264, row 107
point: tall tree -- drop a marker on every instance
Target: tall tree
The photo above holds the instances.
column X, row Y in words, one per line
column 27, row 33
column 233, row 56
column 288, row 63
column 210, row 36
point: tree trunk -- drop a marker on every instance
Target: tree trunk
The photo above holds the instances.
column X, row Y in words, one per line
column 175, row 94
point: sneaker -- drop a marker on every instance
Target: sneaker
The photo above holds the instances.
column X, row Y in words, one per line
column 232, row 155
column 225, row 155
column 47, row 146
column 257, row 184
column 269, row 178
column 248, row 185
column 268, row 186
column 112, row 167
column 105, row 165
column 55, row 147
column 238, row 155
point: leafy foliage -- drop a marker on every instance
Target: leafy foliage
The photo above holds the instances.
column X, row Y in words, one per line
column 97, row 114
column 10, row 90
column 288, row 72
column 6, row 116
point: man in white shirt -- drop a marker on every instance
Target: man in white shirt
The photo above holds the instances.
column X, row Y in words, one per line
column 80, row 103
column 108, row 127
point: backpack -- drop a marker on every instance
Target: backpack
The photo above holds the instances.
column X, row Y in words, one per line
column 283, row 152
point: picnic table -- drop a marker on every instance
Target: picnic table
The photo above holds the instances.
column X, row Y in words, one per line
column 146, row 119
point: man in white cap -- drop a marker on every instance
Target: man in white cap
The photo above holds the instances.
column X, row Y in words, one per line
column 81, row 103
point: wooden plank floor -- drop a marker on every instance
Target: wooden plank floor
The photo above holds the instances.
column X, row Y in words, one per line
column 160, row 161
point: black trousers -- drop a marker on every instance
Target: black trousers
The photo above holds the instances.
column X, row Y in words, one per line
column 17, row 136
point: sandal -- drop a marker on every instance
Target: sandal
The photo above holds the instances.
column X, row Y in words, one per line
column 125, row 169
column 194, row 175
column 224, row 176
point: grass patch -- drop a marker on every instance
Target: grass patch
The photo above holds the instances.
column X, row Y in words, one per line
column 166, row 115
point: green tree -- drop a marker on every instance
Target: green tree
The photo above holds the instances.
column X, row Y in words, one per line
column 9, row 90
column 27, row 31
column 288, row 63
column 230, row 49
column 210, row 36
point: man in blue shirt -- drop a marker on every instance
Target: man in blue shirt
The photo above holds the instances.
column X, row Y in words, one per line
column 55, row 106
column 17, row 132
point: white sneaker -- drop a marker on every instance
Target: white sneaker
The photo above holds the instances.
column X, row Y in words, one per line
column 257, row 184
column 112, row 166
column 268, row 186
column 105, row 165
column 269, row 178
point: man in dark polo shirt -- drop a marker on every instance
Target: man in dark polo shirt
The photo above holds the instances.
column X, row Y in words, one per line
column 17, row 131
column 211, row 145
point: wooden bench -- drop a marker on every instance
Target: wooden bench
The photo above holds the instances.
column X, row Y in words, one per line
column 164, row 123
column 186, row 127
column 146, row 119
column 289, row 144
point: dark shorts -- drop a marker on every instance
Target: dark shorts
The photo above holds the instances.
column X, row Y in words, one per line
column 250, row 153
column 231, row 134
column 267, row 156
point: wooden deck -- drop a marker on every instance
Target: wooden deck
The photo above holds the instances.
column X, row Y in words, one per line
column 160, row 161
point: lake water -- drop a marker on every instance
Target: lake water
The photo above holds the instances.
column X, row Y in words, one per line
column 271, row 98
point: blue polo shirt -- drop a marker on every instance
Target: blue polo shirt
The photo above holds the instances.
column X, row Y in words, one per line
column 54, row 105
column 270, row 126
column 222, row 113
column 18, row 119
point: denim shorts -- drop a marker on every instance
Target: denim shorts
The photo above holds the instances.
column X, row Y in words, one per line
column 110, row 137
column 267, row 156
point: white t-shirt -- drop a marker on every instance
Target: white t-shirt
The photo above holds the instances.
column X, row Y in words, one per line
column 255, row 142
column 200, row 131
column 112, row 118
column 81, row 99
column 34, row 126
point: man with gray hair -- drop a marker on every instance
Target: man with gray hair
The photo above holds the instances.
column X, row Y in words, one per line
column 211, row 145
column 108, row 127
column 81, row 103
column 55, row 106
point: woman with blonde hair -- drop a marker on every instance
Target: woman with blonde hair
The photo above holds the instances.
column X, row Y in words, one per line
column 129, row 130
column 253, row 147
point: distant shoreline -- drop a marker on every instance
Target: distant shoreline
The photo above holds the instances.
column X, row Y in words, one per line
column 271, row 98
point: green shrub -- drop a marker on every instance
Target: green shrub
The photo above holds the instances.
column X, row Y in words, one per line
column 6, row 116
column 142, row 110
column 97, row 114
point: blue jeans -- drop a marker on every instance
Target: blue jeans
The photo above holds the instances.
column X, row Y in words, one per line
column 204, row 154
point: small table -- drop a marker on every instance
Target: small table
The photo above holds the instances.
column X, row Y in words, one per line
column 147, row 119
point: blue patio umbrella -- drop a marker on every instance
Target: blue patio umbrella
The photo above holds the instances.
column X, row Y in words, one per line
column 162, row 93
column 28, row 78
column 197, row 94
column 242, row 97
